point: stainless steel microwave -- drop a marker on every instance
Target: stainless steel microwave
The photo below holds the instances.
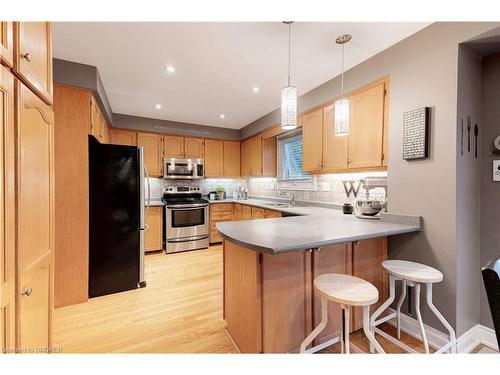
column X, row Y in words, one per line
column 183, row 168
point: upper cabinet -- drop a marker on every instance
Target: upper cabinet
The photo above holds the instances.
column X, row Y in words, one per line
column 214, row 160
column 153, row 152
column 33, row 57
column 269, row 157
column 194, row 148
column 232, row 159
column 122, row 137
column 245, row 158
column 173, row 146
column 6, row 43
column 98, row 125
column 256, row 155
column 366, row 127
column 363, row 148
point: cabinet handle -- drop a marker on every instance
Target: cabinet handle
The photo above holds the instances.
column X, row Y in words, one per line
column 26, row 56
column 27, row 292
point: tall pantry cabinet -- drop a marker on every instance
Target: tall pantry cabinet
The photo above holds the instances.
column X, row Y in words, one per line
column 27, row 188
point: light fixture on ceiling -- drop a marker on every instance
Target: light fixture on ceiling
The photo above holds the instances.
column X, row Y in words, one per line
column 170, row 69
column 255, row 89
column 158, row 106
column 288, row 96
column 222, row 116
column 341, row 122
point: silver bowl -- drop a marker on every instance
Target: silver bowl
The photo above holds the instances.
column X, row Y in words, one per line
column 369, row 207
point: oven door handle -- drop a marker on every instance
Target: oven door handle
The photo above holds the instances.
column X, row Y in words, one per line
column 184, row 206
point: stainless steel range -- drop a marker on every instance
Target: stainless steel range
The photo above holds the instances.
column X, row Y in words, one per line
column 186, row 219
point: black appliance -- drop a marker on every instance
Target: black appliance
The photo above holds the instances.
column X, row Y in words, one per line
column 116, row 218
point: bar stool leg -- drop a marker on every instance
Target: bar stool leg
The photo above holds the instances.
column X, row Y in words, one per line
column 383, row 307
column 398, row 309
column 441, row 318
column 419, row 317
column 321, row 326
column 346, row 329
column 366, row 329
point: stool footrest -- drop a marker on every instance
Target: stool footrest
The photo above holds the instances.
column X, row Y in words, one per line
column 395, row 341
column 384, row 319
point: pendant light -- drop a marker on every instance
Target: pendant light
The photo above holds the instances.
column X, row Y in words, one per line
column 342, row 105
column 288, row 96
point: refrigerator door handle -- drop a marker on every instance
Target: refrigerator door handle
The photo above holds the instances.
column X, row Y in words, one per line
column 148, row 202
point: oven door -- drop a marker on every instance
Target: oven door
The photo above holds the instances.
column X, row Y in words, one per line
column 186, row 220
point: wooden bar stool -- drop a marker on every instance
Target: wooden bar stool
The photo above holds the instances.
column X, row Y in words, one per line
column 413, row 275
column 347, row 291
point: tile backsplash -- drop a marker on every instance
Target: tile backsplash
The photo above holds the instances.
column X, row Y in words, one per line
column 326, row 188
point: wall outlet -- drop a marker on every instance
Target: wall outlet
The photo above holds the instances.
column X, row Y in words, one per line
column 496, row 170
column 326, row 186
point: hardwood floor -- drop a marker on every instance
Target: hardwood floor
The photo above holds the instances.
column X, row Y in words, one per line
column 180, row 311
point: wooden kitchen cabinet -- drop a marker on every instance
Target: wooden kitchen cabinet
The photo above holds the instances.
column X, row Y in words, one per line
column 312, row 150
column 246, row 212
column 35, row 221
column 258, row 213
column 153, row 236
column 256, row 155
column 33, row 57
column 269, row 155
column 153, row 152
column 367, row 258
column 231, row 159
column 270, row 214
column 214, row 158
column 366, row 126
column 7, row 218
column 245, row 158
column 194, row 148
column 219, row 212
column 173, row 146
column 334, row 146
column 122, row 137
column 237, row 212
column 329, row 259
column 98, row 126
column 6, row 43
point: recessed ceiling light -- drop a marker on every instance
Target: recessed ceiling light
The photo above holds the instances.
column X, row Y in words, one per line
column 222, row 115
column 255, row 89
column 158, row 106
column 170, row 69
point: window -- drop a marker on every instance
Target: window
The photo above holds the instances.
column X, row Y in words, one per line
column 290, row 158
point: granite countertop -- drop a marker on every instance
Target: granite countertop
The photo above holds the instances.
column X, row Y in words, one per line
column 316, row 227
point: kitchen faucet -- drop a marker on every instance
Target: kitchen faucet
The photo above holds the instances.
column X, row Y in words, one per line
column 291, row 195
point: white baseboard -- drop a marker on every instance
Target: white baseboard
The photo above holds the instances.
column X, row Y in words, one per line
column 478, row 334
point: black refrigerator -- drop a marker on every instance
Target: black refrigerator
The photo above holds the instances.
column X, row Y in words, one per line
column 116, row 218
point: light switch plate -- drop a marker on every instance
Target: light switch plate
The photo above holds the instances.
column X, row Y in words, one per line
column 496, row 170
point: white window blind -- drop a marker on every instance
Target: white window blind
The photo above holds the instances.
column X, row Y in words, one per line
column 290, row 158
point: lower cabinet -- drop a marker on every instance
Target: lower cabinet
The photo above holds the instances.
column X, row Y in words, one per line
column 258, row 213
column 270, row 305
column 153, row 236
column 219, row 212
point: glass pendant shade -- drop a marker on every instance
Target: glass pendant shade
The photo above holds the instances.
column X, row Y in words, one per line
column 289, row 107
column 342, row 117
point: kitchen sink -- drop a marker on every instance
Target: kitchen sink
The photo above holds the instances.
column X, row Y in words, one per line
column 280, row 205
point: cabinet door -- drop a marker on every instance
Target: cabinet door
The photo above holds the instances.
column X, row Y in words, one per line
column 6, row 43
column 385, row 138
column 153, row 152
column 33, row 57
column 194, row 148
column 35, row 227
column 366, row 128
column 334, row 146
column 237, row 212
column 231, row 159
column 122, row 137
column 245, row 158
column 256, row 156
column 269, row 157
column 367, row 258
column 7, row 218
column 312, row 133
column 258, row 213
column 214, row 158
column 153, row 236
column 329, row 259
column 173, row 146
column 95, row 120
column 247, row 212
column 272, row 214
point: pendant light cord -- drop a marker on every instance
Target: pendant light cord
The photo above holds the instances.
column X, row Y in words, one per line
column 342, row 85
column 289, row 33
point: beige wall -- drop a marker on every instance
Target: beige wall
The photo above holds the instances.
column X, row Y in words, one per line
column 423, row 72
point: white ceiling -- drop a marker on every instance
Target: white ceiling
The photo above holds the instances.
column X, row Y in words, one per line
column 217, row 64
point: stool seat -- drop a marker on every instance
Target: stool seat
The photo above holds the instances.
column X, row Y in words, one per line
column 411, row 271
column 346, row 289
